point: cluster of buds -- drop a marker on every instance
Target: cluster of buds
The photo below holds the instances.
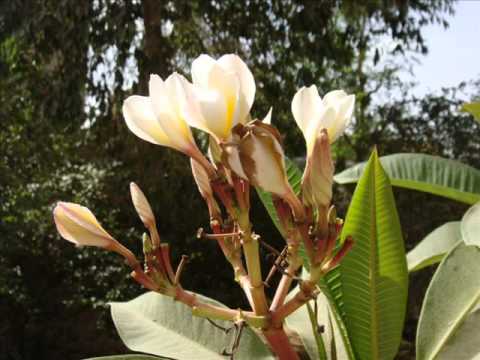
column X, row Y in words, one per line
column 77, row 224
column 242, row 152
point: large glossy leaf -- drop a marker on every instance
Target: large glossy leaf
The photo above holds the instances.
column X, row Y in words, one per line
column 127, row 357
column 427, row 173
column 158, row 325
column 331, row 287
column 434, row 246
column 471, row 226
column 294, row 175
column 473, row 108
column 372, row 280
column 452, row 294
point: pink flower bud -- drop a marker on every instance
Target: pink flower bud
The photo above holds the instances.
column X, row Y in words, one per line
column 145, row 212
column 78, row 225
column 142, row 206
column 203, row 183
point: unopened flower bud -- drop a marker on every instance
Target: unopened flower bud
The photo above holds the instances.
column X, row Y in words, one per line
column 147, row 244
column 214, row 151
column 203, row 183
column 145, row 212
column 142, row 206
column 340, row 255
column 317, row 178
column 77, row 224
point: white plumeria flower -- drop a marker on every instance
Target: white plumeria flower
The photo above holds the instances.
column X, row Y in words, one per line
column 221, row 95
column 312, row 113
column 158, row 118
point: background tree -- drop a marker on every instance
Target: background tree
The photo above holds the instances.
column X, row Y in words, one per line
column 65, row 68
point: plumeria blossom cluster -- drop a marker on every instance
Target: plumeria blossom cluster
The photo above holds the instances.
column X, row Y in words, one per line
column 242, row 152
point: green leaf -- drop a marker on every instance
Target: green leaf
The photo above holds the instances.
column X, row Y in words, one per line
column 331, row 289
column 427, row 173
column 453, row 292
column 471, row 226
column 372, row 280
column 127, row 357
column 294, row 175
column 472, row 108
column 156, row 324
column 434, row 246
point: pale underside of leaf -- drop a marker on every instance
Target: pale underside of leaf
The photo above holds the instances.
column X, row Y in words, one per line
column 452, row 294
column 156, row 324
column 465, row 343
column 434, row 246
column 471, row 225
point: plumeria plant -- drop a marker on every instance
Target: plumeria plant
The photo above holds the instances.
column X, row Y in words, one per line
column 349, row 278
column 243, row 152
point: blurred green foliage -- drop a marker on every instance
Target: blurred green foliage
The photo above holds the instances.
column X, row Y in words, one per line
column 65, row 68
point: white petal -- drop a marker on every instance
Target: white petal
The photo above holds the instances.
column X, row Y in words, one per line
column 228, row 85
column 214, row 111
column 200, row 70
column 140, row 119
column 268, row 118
column 165, row 98
column 326, row 119
column 233, row 63
column 334, row 97
column 344, row 116
column 344, row 105
column 306, row 106
column 241, row 111
column 190, row 106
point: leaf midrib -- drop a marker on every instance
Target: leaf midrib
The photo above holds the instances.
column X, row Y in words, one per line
column 457, row 322
column 373, row 259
